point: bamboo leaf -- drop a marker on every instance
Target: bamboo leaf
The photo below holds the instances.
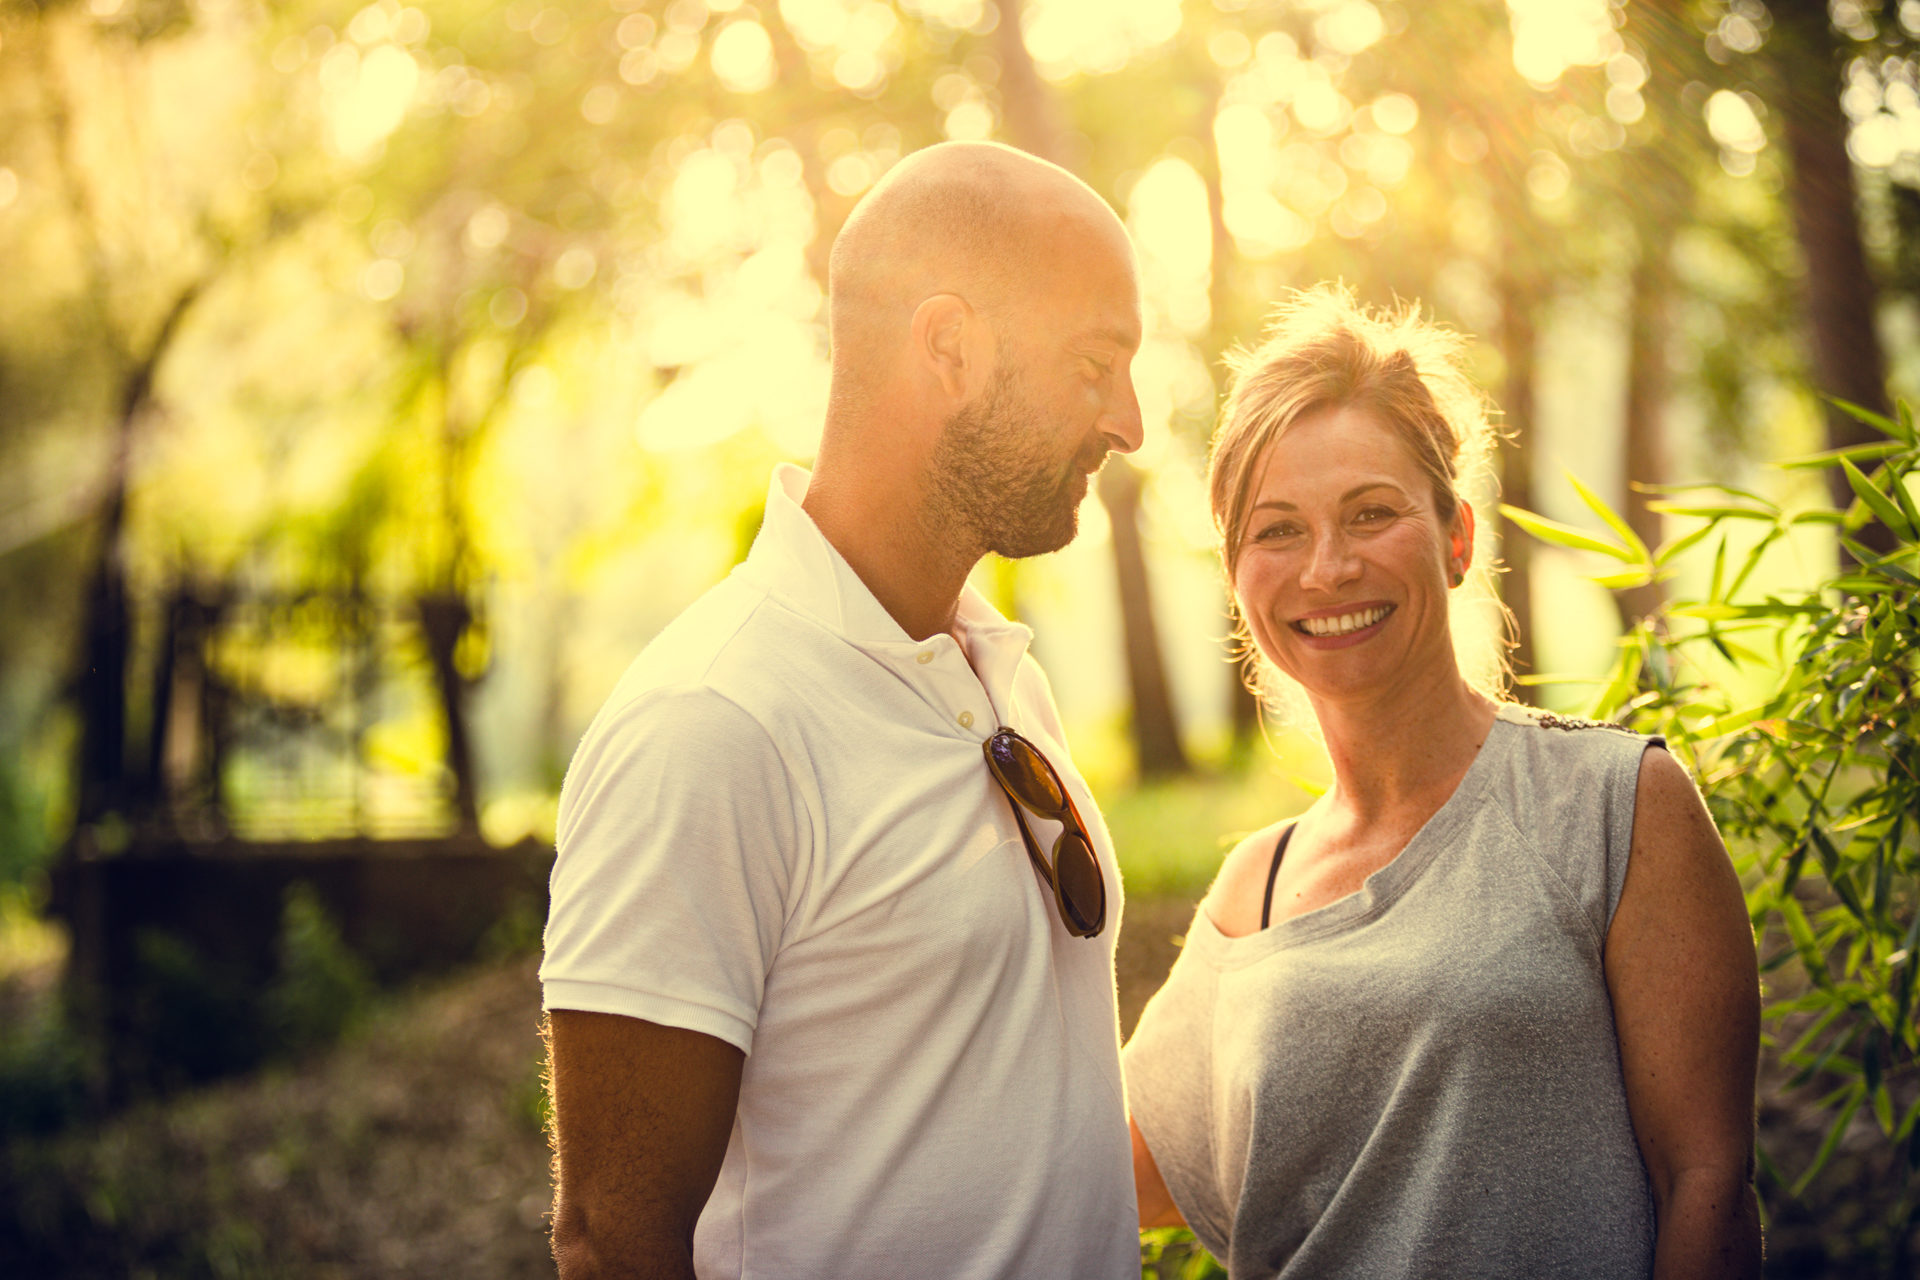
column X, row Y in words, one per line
column 1710, row 513
column 1826, row 458
column 1886, row 425
column 1883, row 507
column 1709, row 612
column 1730, row 723
column 1674, row 548
column 1898, row 485
column 1855, row 1093
column 1564, row 535
column 1613, row 519
column 1621, row 682
column 1802, row 933
column 1697, row 486
column 1752, row 561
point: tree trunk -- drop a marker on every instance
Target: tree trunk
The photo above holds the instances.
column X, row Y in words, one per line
column 1035, row 124
column 443, row 617
column 1643, row 443
column 1518, row 341
column 1243, row 714
column 100, row 687
column 1839, row 295
column 1156, row 730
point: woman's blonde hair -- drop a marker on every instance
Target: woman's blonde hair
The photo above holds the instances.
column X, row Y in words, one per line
column 1324, row 352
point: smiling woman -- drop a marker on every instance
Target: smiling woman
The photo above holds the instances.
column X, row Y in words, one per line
column 1385, row 392
column 1489, row 1007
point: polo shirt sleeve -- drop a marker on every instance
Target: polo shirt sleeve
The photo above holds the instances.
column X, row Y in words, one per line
column 677, row 842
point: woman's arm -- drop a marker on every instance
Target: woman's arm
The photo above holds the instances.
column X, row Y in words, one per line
column 1156, row 1202
column 1686, row 1004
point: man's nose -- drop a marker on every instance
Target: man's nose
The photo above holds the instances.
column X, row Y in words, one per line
column 1120, row 422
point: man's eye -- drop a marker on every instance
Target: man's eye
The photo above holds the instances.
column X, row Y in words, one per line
column 1098, row 368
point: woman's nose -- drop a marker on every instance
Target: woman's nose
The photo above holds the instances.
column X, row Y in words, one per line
column 1330, row 562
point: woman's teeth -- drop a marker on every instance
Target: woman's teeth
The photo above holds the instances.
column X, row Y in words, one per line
column 1345, row 623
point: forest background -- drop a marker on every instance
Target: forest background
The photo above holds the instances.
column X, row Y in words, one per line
column 375, row 380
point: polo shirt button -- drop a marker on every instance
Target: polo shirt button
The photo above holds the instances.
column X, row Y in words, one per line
column 923, row 657
column 966, row 719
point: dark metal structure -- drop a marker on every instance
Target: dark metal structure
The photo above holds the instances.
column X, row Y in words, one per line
column 274, row 743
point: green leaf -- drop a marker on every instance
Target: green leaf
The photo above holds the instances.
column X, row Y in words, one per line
column 1863, row 452
column 1898, row 485
column 1564, row 535
column 1883, row 507
column 1622, row 680
column 1613, row 520
column 1906, row 1121
column 1730, row 723
column 1886, row 425
column 1752, row 561
column 1855, row 1092
column 1623, row 581
column 1711, row 513
column 1674, row 548
column 1697, row 486
column 1709, row 612
column 1817, row 515
column 1802, row 933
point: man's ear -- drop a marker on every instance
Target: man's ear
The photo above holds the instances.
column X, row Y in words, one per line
column 951, row 345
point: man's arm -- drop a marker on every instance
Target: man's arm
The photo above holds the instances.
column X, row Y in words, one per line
column 642, row 1114
column 1686, row 1005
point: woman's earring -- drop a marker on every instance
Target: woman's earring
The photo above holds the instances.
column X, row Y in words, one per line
column 1458, row 577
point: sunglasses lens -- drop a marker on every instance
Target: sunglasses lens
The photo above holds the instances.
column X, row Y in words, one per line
column 1030, row 777
column 1083, row 893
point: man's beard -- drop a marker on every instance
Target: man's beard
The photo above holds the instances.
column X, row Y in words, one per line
column 995, row 483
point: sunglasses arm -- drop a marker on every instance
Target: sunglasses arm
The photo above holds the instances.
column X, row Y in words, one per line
column 1026, row 836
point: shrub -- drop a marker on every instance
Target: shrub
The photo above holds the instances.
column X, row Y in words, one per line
column 321, row 988
column 1814, row 779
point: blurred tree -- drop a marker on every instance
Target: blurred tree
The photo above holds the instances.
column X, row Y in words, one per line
column 1035, row 123
column 1808, row 60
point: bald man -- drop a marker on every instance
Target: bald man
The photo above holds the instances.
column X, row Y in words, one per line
column 825, row 998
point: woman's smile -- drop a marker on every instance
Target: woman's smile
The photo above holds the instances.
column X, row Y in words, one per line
column 1350, row 624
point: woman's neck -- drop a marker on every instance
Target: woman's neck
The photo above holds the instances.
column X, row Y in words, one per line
column 1397, row 752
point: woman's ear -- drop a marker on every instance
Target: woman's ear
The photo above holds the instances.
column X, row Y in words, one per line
column 1460, row 541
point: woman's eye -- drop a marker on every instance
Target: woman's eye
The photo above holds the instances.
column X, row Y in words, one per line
column 1373, row 515
column 1274, row 532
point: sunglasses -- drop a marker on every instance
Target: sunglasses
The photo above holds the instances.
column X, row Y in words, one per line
column 1079, row 890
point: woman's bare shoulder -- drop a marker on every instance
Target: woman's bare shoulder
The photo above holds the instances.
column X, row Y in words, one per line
column 1233, row 903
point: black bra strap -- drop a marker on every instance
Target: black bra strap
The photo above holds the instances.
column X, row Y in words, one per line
column 1273, row 872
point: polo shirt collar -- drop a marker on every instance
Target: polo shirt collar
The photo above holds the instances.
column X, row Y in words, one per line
column 794, row 563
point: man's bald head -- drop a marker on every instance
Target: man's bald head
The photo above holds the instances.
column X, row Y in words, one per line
column 975, row 219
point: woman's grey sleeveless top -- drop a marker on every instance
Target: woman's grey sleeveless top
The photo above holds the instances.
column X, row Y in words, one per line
column 1422, row 1078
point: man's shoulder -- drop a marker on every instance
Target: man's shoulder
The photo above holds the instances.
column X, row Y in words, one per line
column 720, row 641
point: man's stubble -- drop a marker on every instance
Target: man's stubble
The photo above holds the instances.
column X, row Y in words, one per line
column 995, row 483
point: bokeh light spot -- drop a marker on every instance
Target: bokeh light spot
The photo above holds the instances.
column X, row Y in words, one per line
column 382, row 279
column 742, row 57
column 1733, row 124
column 971, row 121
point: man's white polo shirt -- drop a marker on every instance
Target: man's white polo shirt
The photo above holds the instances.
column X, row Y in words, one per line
column 780, row 831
